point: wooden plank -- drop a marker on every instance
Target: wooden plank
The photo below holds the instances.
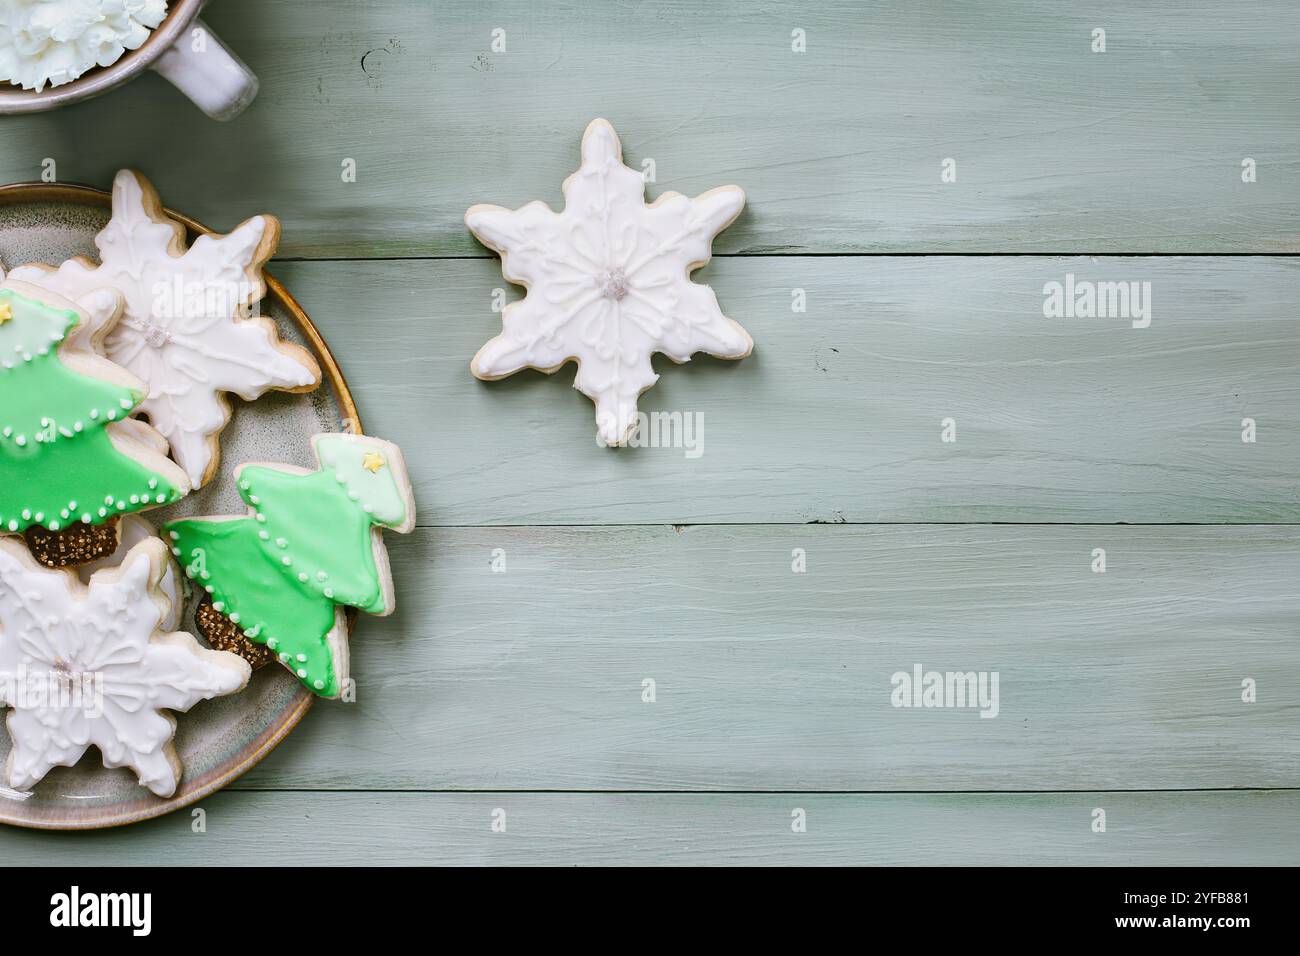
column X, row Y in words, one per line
column 766, row 679
column 1058, row 148
column 1254, row 828
column 837, row 416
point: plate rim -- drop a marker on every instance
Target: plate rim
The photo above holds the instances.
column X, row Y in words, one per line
column 14, row 194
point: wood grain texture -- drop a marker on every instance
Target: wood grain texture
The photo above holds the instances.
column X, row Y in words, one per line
column 486, row 688
column 837, row 415
column 1058, row 149
column 770, row 680
column 1188, row 829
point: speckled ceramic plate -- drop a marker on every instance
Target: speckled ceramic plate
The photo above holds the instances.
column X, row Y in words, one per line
column 217, row 740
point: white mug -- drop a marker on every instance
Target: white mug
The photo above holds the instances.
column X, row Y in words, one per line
column 182, row 49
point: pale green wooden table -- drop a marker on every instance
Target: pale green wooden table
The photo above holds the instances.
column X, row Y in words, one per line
column 522, row 691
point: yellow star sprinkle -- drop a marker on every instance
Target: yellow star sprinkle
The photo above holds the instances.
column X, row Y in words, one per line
column 372, row 462
column 6, row 312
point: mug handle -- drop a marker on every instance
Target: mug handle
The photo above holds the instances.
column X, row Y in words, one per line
column 204, row 69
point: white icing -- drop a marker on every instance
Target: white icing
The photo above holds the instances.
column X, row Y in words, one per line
column 131, row 530
column 56, row 41
column 181, row 330
column 608, row 282
column 100, row 306
column 103, row 644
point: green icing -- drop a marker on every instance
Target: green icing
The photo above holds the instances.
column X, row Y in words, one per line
column 307, row 548
column 226, row 558
column 346, row 458
column 57, row 462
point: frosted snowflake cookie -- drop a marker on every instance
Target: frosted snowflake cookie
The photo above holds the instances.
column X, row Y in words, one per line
column 608, row 282
column 131, row 531
column 71, row 460
column 56, row 41
column 185, row 328
column 309, row 548
column 88, row 665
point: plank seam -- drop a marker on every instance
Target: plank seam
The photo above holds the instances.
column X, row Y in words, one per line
column 816, row 793
column 852, row 255
column 685, row 525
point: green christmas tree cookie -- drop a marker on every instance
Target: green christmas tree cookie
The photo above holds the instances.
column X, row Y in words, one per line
column 68, row 450
column 309, row 548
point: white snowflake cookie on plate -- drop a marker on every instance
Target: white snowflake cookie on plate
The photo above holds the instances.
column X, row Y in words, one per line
column 131, row 530
column 608, row 282
column 84, row 665
column 186, row 328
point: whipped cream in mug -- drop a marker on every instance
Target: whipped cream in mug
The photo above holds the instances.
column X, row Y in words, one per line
column 56, row 41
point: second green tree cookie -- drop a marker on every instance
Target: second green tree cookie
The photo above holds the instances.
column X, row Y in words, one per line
column 309, row 548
